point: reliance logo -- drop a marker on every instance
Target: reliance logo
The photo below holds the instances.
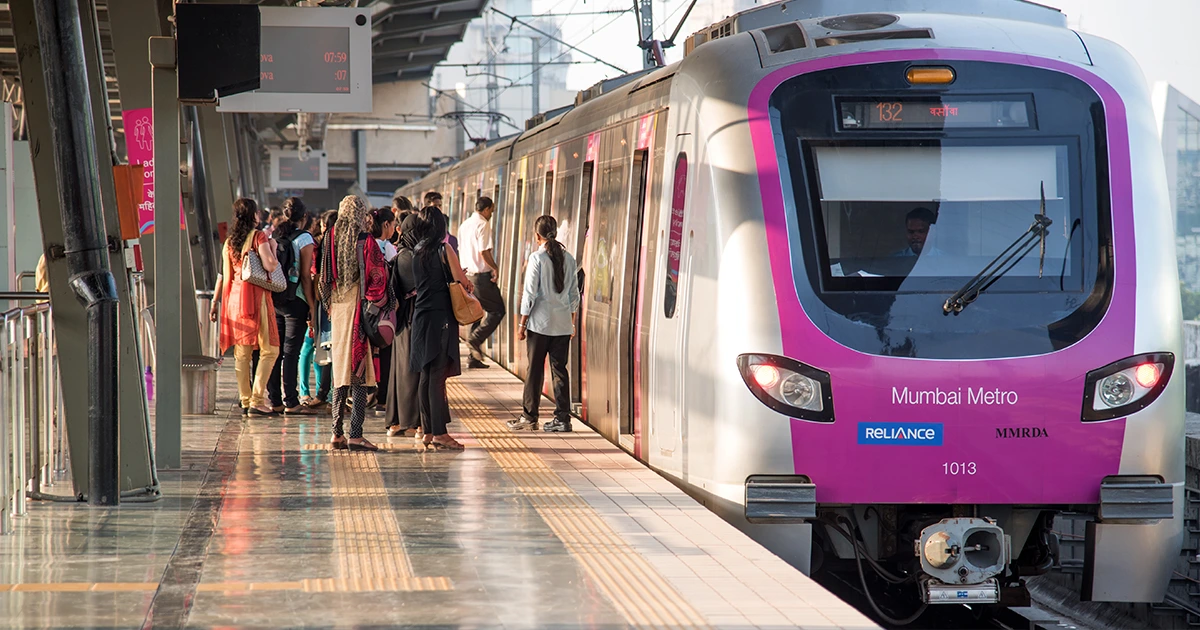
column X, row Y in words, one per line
column 900, row 433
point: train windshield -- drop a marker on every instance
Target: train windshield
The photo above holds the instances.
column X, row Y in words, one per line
column 930, row 218
column 897, row 219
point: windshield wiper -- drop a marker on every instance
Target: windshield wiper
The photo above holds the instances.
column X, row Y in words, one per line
column 1003, row 263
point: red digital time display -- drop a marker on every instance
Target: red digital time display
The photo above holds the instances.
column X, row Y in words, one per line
column 305, row 60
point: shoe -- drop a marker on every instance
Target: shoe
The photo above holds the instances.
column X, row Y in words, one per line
column 522, row 424
column 277, row 408
column 361, row 445
column 298, row 410
column 245, row 411
column 315, row 403
column 557, row 426
column 445, row 442
column 338, row 443
column 476, row 364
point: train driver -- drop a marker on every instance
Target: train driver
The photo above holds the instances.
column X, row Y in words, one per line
column 916, row 225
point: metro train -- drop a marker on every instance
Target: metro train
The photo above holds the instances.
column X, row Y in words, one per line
column 889, row 285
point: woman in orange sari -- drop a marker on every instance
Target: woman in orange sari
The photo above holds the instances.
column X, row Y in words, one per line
column 247, row 312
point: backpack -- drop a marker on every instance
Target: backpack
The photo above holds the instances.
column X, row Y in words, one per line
column 286, row 254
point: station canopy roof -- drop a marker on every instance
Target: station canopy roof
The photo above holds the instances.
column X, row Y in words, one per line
column 412, row 36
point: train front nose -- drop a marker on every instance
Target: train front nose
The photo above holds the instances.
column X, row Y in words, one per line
column 960, row 559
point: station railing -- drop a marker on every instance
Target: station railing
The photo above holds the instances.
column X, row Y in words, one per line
column 33, row 447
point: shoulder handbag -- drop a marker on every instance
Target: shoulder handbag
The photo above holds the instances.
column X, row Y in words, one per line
column 255, row 273
column 467, row 309
column 378, row 325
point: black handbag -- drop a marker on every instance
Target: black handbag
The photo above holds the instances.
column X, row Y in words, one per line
column 378, row 323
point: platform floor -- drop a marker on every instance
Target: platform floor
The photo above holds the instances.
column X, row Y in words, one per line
column 266, row 527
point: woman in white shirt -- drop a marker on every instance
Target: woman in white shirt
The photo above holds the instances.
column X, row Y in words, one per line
column 548, row 304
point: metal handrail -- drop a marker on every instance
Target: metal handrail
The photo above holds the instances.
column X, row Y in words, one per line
column 33, row 448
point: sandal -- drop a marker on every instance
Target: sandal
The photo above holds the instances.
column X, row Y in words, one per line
column 361, row 445
column 315, row 403
column 446, row 442
column 338, row 443
column 299, row 410
column 262, row 411
column 395, row 431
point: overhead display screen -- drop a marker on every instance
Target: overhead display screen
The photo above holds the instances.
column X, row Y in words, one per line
column 303, row 59
column 311, row 59
column 934, row 114
column 290, row 169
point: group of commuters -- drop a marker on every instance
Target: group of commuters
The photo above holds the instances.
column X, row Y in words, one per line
column 402, row 260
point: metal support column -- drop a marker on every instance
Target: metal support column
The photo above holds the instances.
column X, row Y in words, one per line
column 646, row 29
column 536, row 79
column 360, row 158
column 138, row 476
column 72, row 131
column 70, row 318
column 168, row 269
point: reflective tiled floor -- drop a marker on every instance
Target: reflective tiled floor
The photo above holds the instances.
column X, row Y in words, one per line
column 266, row 528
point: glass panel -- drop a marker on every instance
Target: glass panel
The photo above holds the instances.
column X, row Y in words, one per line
column 942, row 212
column 675, row 235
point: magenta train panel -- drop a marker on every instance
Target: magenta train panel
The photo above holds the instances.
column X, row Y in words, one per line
column 1040, row 397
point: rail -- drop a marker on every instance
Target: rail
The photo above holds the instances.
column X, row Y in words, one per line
column 33, row 447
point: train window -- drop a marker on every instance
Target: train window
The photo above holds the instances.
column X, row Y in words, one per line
column 585, row 203
column 937, row 214
column 547, row 192
column 675, row 235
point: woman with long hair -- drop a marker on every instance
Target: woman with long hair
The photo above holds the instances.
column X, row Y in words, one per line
column 549, row 301
column 319, row 331
column 295, row 306
column 351, row 264
column 403, row 412
column 383, row 227
column 433, row 352
column 246, row 311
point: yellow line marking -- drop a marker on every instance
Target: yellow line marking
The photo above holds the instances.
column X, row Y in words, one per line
column 634, row 587
column 391, row 447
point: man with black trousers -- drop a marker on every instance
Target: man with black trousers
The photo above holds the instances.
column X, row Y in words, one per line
column 475, row 253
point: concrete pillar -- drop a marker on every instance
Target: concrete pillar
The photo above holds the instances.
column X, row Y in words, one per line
column 70, row 320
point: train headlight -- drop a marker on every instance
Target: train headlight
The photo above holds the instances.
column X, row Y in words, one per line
column 800, row 391
column 788, row 386
column 1126, row 386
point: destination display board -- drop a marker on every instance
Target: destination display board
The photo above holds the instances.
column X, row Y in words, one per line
column 291, row 169
column 311, row 60
column 935, row 113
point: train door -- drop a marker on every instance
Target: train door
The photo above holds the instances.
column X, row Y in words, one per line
column 649, row 275
column 604, row 269
column 512, row 247
column 666, row 379
column 582, row 224
column 630, row 273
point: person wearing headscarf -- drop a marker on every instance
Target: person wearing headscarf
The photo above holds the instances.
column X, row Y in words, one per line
column 351, row 263
column 403, row 410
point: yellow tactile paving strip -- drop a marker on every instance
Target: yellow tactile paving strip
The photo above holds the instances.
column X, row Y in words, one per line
column 368, row 543
column 636, row 589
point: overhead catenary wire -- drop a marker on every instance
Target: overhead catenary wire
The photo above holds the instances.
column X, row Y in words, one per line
column 559, row 56
column 552, row 37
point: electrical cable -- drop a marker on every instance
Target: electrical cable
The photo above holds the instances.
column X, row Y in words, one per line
column 862, row 578
column 559, row 56
column 858, row 545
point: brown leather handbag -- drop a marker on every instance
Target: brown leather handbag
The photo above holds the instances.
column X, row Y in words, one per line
column 467, row 309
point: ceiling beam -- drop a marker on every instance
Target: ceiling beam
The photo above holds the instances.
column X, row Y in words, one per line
column 403, row 46
column 416, row 24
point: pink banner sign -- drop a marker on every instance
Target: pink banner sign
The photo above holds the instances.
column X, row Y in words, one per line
column 139, row 146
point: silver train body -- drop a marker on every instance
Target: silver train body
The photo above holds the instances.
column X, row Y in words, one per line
column 673, row 189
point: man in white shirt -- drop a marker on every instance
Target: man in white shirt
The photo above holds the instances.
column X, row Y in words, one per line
column 475, row 254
